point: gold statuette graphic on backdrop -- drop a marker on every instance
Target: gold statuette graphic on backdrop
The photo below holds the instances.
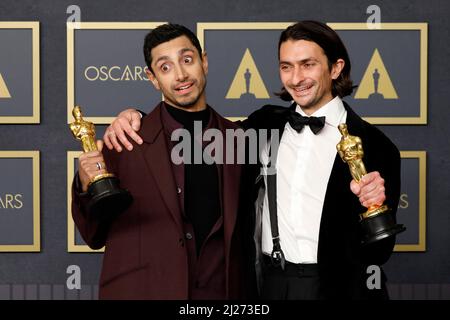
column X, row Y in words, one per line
column 377, row 222
column 107, row 199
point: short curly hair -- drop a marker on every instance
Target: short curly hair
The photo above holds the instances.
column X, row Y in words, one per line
column 164, row 33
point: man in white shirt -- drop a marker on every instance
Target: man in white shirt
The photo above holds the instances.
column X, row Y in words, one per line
column 317, row 202
column 317, row 222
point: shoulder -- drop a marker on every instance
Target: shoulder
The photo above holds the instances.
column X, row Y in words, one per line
column 224, row 122
column 268, row 116
column 370, row 134
column 269, row 109
column 379, row 139
column 228, row 124
column 152, row 114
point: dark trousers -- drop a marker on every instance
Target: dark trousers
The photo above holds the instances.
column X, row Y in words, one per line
column 295, row 282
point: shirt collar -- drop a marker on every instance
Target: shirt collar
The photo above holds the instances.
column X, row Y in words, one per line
column 333, row 111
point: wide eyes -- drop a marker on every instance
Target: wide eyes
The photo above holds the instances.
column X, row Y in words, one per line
column 167, row 66
column 187, row 59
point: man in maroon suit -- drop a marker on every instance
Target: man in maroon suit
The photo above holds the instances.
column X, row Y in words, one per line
column 180, row 238
column 319, row 213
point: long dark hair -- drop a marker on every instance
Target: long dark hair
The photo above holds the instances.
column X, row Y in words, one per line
column 331, row 44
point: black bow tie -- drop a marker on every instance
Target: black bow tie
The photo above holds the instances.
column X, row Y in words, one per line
column 297, row 122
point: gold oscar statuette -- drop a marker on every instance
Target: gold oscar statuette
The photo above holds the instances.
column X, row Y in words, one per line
column 106, row 197
column 377, row 222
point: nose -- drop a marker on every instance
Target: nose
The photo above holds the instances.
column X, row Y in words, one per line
column 297, row 75
column 181, row 74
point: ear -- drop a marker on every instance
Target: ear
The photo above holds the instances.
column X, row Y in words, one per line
column 153, row 79
column 205, row 62
column 337, row 68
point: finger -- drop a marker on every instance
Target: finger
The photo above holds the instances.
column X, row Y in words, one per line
column 94, row 167
column 90, row 154
column 106, row 139
column 92, row 164
column 379, row 200
column 91, row 158
column 84, row 179
column 376, row 196
column 369, row 188
column 88, row 174
column 369, row 177
column 376, row 182
column 99, row 145
column 132, row 134
column 124, row 127
column 117, row 126
column 136, row 120
column 355, row 187
column 92, row 174
column 114, row 142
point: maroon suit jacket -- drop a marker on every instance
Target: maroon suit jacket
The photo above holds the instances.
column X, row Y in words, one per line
column 145, row 257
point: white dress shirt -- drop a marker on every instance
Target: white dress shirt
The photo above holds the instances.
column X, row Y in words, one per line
column 304, row 165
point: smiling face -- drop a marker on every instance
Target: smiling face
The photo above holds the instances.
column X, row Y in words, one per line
column 305, row 74
column 180, row 73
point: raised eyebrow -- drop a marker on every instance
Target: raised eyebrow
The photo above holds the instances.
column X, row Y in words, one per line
column 181, row 52
column 184, row 50
column 161, row 58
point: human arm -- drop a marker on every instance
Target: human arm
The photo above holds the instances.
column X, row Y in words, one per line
column 127, row 123
column 93, row 231
column 388, row 164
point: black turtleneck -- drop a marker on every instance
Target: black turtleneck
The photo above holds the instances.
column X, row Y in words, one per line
column 201, row 181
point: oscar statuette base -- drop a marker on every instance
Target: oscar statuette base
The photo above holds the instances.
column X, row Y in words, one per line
column 107, row 198
column 379, row 225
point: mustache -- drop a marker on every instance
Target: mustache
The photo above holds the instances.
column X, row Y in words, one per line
column 303, row 84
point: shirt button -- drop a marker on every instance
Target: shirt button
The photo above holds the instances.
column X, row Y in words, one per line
column 178, row 190
column 188, row 236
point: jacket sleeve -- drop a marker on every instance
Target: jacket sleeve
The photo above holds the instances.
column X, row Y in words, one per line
column 385, row 159
column 93, row 231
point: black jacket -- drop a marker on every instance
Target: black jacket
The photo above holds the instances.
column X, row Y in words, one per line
column 341, row 259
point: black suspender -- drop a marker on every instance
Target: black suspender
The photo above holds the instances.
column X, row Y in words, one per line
column 277, row 255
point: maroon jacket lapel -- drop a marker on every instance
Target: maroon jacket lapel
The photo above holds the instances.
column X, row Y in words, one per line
column 159, row 163
column 230, row 195
column 156, row 154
